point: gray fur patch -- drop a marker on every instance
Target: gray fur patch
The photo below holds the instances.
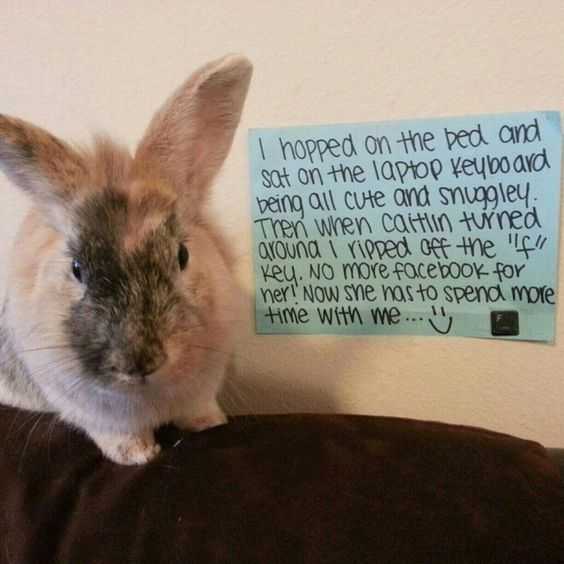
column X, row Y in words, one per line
column 130, row 304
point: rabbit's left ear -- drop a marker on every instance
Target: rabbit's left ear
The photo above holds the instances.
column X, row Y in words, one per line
column 190, row 136
column 42, row 166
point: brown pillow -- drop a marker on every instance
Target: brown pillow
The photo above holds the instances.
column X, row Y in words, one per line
column 281, row 489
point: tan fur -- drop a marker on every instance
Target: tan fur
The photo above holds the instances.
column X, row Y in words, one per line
column 151, row 201
column 35, row 239
column 173, row 167
column 56, row 161
column 108, row 163
column 188, row 139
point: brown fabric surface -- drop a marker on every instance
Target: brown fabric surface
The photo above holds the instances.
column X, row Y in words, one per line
column 281, row 489
column 557, row 455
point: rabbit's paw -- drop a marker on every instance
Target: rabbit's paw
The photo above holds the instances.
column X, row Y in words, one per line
column 127, row 449
column 212, row 417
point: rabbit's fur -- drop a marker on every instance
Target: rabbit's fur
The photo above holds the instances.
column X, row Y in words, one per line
column 104, row 323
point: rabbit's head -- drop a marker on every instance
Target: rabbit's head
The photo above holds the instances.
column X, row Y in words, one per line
column 116, row 265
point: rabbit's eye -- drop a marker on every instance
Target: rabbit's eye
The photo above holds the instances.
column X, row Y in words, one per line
column 77, row 270
column 183, row 256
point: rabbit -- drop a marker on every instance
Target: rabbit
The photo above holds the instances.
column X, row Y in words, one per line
column 120, row 291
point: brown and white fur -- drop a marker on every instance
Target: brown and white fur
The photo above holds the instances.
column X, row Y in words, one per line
column 120, row 302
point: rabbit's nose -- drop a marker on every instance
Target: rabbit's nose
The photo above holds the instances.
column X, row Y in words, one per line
column 141, row 364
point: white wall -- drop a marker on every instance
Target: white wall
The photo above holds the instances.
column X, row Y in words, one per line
column 77, row 66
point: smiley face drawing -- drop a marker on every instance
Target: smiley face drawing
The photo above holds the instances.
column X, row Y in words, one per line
column 446, row 330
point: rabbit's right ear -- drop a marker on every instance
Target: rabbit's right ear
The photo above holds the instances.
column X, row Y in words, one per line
column 47, row 169
column 190, row 136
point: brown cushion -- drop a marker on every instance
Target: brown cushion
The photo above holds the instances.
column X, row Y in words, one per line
column 281, row 489
column 557, row 455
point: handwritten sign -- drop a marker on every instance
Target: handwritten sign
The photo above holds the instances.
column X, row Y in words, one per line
column 424, row 227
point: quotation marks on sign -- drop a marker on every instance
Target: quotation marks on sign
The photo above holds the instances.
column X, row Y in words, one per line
column 526, row 244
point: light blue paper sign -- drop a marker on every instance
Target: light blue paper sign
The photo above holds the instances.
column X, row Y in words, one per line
column 424, row 227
